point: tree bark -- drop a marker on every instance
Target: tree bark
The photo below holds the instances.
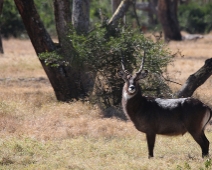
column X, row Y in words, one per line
column 167, row 13
column 152, row 13
column 195, row 80
column 62, row 78
column 62, row 15
column 151, row 8
column 1, row 45
column 80, row 15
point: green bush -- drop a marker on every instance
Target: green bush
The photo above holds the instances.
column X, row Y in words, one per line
column 195, row 18
column 102, row 55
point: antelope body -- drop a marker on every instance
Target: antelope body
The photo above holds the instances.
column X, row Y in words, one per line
column 164, row 116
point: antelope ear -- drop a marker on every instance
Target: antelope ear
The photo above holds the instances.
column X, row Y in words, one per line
column 122, row 75
column 141, row 75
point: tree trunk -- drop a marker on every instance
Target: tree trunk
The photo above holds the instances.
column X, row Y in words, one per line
column 62, row 15
column 195, row 80
column 80, row 15
column 167, row 13
column 62, row 78
column 1, row 45
column 152, row 13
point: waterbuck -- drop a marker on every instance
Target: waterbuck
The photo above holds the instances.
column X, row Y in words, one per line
column 163, row 116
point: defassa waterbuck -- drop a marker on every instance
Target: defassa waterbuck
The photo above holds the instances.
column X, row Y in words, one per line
column 163, row 116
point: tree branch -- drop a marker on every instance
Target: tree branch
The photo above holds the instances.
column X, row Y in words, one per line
column 120, row 11
column 62, row 15
column 195, row 80
column 171, row 81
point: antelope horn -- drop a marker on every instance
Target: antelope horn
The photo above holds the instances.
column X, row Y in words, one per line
column 142, row 63
column 122, row 65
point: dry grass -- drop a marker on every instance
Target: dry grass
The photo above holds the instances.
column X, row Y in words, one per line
column 37, row 132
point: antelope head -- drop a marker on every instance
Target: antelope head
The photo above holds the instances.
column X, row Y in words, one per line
column 131, row 81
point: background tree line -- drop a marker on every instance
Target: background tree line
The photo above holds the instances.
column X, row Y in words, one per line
column 194, row 16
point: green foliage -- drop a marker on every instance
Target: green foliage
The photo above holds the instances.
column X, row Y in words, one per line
column 46, row 12
column 96, row 6
column 208, row 164
column 103, row 55
column 195, row 18
column 129, row 45
column 11, row 22
column 186, row 166
column 53, row 59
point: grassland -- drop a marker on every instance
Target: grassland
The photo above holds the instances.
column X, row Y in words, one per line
column 37, row 132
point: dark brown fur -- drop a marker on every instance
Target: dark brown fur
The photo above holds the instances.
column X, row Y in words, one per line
column 175, row 117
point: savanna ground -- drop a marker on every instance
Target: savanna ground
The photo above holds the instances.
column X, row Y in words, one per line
column 37, row 132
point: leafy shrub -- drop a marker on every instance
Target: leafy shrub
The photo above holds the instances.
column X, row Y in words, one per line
column 53, row 59
column 102, row 55
column 195, row 18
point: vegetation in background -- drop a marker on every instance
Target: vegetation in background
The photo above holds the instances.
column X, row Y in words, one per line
column 99, row 6
column 46, row 12
column 11, row 22
column 195, row 17
column 103, row 55
column 53, row 59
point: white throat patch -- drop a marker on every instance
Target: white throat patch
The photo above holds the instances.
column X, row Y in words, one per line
column 127, row 96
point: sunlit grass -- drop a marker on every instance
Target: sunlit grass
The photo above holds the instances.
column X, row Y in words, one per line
column 38, row 132
column 84, row 152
